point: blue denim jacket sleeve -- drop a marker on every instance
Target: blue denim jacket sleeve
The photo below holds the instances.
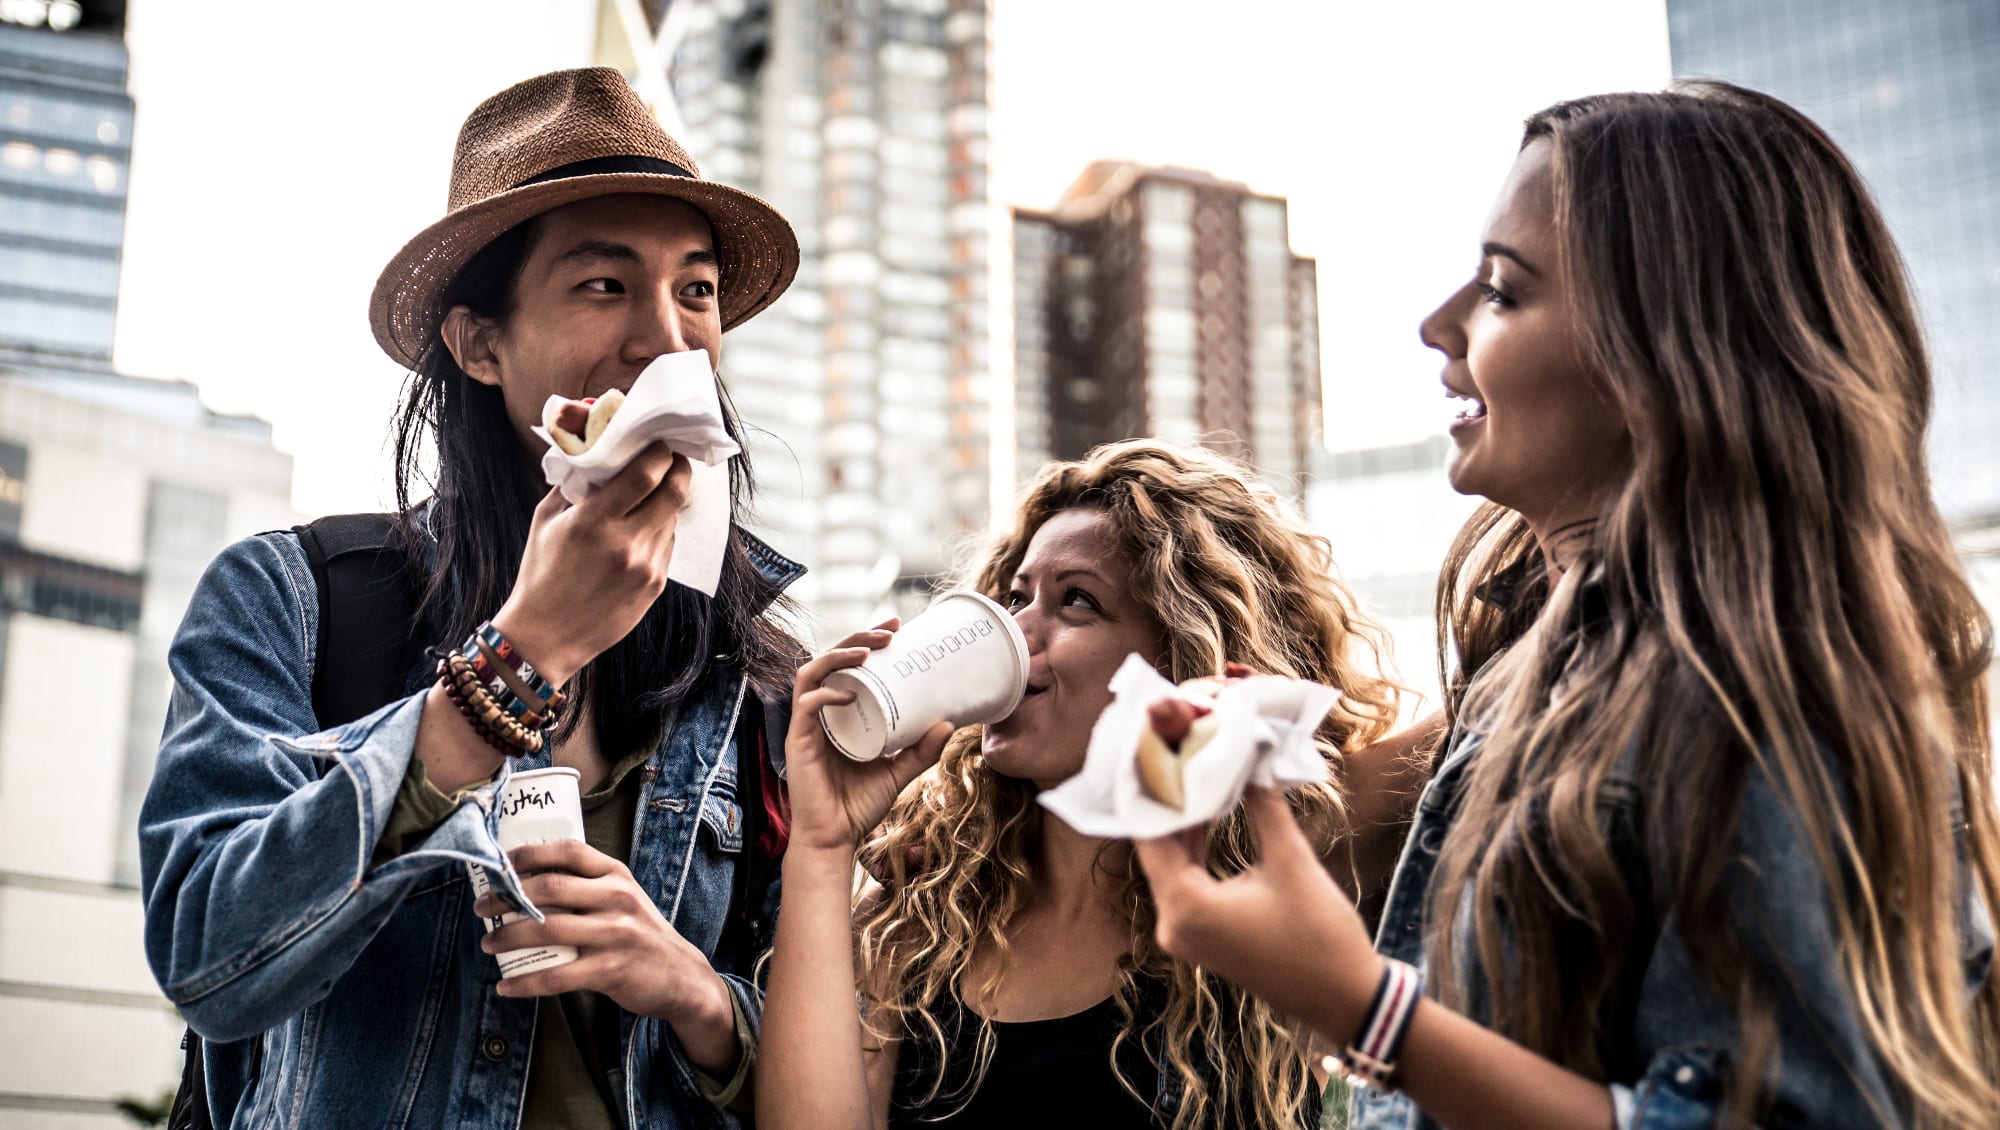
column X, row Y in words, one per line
column 256, row 832
column 1827, row 1074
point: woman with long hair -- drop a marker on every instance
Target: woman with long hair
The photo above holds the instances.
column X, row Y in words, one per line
column 1006, row 967
column 1714, row 841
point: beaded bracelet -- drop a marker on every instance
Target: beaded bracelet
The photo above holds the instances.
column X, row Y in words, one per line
column 485, row 735
column 1371, row 1058
column 478, row 708
column 469, row 694
column 491, row 712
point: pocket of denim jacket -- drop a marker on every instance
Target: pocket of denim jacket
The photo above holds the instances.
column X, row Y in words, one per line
column 722, row 816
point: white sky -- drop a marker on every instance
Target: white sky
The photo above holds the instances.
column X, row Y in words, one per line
column 284, row 151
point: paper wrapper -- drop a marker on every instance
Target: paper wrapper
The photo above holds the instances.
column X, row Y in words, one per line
column 1264, row 736
column 672, row 402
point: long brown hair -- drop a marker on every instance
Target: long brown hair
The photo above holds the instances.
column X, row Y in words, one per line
column 1772, row 595
column 1231, row 575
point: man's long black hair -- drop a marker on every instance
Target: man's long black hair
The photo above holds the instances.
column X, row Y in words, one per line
column 483, row 498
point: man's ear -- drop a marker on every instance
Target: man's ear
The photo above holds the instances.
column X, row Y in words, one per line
column 469, row 337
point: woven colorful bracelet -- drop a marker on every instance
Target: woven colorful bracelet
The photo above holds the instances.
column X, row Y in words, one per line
column 481, row 653
column 497, row 687
column 534, row 715
column 468, row 695
column 1371, row 1058
column 503, row 650
column 476, row 659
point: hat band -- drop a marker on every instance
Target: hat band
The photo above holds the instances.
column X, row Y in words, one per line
column 597, row 166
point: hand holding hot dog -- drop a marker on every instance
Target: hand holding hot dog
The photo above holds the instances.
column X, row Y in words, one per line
column 591, row 570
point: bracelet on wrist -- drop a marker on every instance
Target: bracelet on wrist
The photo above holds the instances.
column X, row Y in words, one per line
column 485, row 653
column 485, row 716
column 471, row 696
column 1372, row 1056
column 491, row 641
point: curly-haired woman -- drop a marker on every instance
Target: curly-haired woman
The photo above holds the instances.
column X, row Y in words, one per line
column 1012, row 974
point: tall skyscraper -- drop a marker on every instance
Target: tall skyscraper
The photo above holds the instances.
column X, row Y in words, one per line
column 1911, row 90
column 868, row 387
column 65, row 150
column 114, row 494
column 1165, row 302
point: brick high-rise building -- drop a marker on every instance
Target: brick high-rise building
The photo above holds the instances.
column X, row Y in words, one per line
column 865, row 123
column 1165, row 302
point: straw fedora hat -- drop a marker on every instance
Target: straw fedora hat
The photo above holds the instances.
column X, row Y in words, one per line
column 555, row 139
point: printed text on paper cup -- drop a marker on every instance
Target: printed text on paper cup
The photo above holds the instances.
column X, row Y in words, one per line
column 922, row 658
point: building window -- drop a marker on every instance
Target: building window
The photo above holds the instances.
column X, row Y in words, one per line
column 42, row 584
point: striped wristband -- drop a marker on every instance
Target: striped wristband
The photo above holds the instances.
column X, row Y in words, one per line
column 1371, row 1058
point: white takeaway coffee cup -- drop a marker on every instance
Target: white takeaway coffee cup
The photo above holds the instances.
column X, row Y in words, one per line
column 963, row 659
column 541, row 806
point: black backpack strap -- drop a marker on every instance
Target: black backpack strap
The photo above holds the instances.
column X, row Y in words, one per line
column 368, row 642
column 190, row 1108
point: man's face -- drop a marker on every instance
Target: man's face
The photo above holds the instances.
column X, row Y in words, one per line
column 609, row 284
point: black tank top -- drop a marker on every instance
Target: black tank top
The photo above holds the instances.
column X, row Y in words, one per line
column 1043, row 1072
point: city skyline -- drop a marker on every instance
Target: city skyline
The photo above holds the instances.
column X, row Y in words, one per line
column 1389, row 204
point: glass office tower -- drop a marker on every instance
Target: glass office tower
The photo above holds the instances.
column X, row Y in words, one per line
column 65, row 151
column 1911, row 90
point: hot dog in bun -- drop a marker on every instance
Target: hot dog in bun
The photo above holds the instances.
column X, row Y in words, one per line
column 1176, row 729
column 576, row 424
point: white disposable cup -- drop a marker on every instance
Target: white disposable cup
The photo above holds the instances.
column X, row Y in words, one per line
column 541, row 806
column 963, row 659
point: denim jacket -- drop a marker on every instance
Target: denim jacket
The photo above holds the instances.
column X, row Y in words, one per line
column 1672, row 1036
column 333, row 994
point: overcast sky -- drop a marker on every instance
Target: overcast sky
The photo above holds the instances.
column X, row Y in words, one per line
column 283, row 152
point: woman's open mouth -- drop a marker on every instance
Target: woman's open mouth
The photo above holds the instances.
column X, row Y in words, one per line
column 1466, row 409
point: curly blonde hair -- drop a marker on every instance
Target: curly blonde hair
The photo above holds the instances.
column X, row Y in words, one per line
column 1231, row 574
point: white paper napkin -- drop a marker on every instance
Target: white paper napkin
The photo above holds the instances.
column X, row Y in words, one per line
column 673, row 401
column 1264, row 735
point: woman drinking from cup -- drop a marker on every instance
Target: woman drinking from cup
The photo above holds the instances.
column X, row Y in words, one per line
column 1006, row 966
column 1714, row 841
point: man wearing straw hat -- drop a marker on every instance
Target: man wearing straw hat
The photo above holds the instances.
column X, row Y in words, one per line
column 307, row 896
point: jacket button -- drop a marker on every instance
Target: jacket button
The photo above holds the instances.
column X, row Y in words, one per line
column 494, row 1048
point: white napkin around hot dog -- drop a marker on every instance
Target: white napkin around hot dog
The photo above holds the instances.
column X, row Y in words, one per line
column 672, row 402
column 1264, row 736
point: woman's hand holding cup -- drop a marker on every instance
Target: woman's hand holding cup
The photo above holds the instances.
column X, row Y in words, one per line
column 836, row 802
